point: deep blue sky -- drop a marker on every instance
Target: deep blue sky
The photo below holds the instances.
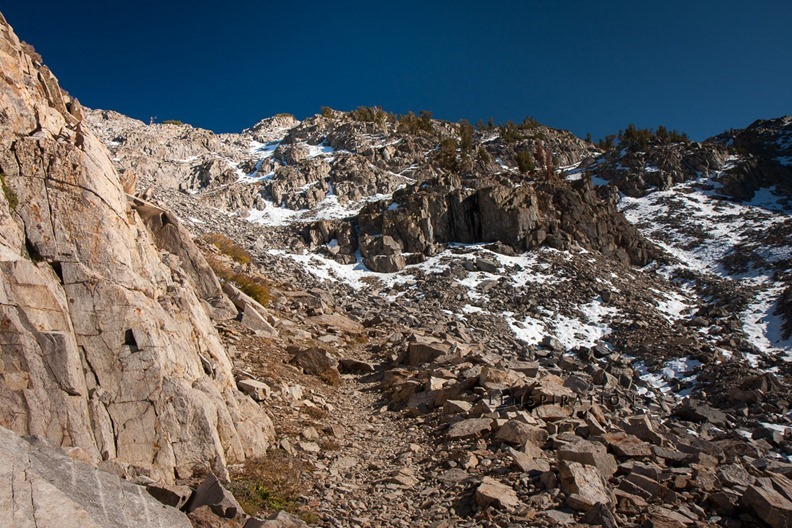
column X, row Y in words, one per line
column 698, row 66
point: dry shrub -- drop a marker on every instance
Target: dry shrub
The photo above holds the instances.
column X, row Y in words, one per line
column 228, row 247
column 331, row 376
column 272, row 483
column 251, row 285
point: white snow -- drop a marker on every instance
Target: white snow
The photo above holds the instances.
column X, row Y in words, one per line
column 672, row 371
column 672, row 305
column 353, row 275
column 585, row 331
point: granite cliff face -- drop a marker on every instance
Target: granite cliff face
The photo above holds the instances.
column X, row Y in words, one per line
column 105, row 304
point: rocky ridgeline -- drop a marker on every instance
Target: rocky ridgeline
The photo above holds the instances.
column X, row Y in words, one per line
column 457, row 184
column 740, row 162
column 765, row 150
column 635, row 171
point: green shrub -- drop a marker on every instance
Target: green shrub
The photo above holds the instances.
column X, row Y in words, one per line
column 483, row 154
column 465, row 135
column 447, row 154
column 415, row 124
column 525, row 161
column 10, row 196
column 510, row 133
column 172, row 122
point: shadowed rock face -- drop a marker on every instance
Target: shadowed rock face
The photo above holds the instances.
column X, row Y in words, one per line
column 523, row 216
column 102, row 332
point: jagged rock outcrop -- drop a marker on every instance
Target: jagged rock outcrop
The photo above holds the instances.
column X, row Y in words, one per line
column 636, row 171
column 107, row 342
column 764, row 150
column 523, row 216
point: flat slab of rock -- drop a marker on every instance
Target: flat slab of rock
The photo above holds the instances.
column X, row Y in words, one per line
column 590, row 454
column 769, row 505
column 258, row 390
column 492, row 493
column 39, row 482
column 425, row 350
column 258, row 323
column 529, row 463
column 695, row 411
column 469, row 428
column 626, row 445
column 338, row 322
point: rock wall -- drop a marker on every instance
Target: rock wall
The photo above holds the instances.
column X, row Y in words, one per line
column 523, row 216
column 107, row 346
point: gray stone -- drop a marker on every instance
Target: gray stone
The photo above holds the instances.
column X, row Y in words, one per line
column 518, row 433
column 170, row 495
column 529, row 463
column 258, row 390
column 256, row 322
column 41, row 486
column 313, row 360
column 211, row 493
column 583, row 485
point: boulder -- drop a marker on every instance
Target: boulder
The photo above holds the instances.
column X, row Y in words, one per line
column 590, row 454
column 256, row 322
column 583, row 485
column 41, row 486
column 518, row 433
column 492, row 493
column 313, row 360
column 385, row 263
column 469, row 428
column 626, row 445
column 696, row 411
column 769, row 505
column 529, row 463
column 258, row 390
column 211, row 493
column 422, row 350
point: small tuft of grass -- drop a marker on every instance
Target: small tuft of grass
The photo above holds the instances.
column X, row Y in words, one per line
column 315, row 412
column 329, row 444
column 272, row 483
column 251, row 285
column 331, row 376
column 228, row 247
